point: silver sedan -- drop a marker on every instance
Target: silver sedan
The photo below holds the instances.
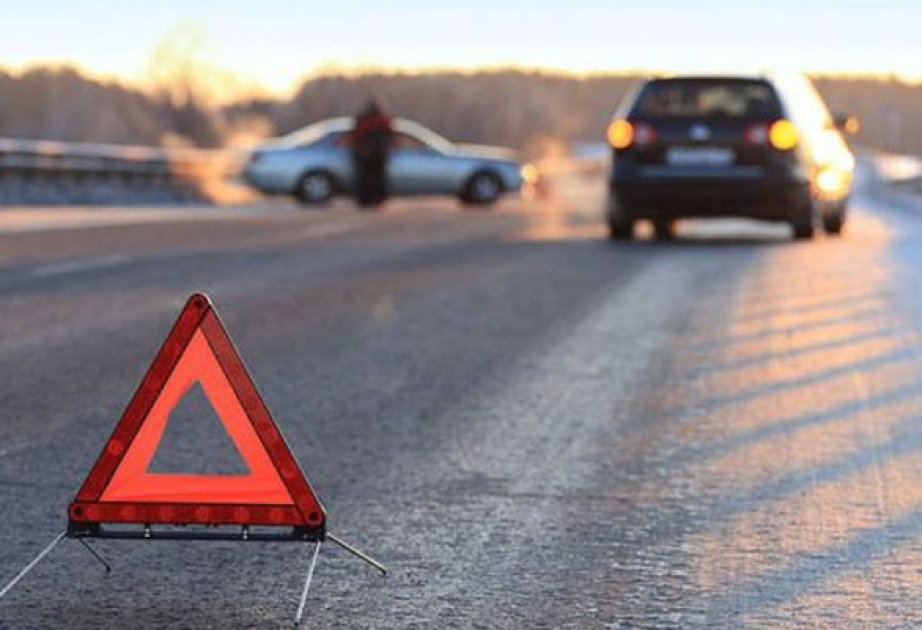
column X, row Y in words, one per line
column 314, row 164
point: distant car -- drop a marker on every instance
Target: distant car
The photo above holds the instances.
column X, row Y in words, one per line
column 314, row 164
column 762, row 147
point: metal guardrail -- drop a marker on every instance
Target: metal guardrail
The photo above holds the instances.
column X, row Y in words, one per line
column 896, row 169
column 42, row 157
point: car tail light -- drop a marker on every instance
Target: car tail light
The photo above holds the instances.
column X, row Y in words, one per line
column 644, row 134
column 783, row 135
column 620, row 134
column 756, row 134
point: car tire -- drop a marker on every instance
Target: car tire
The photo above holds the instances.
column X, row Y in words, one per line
column 482, row 189
column 664, row 230
column 620, row 224
column 619, row 230
column 315, row 188
column 833, row 222
column 802, row 223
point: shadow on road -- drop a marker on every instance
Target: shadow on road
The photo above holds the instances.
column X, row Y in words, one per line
column 785, row 439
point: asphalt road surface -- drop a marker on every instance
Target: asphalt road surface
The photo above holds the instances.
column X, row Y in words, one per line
column 531, row 427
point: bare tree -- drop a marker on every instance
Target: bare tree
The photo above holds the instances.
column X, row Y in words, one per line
column 522, row 109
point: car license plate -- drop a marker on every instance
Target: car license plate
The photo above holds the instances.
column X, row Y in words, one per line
column 699, row 156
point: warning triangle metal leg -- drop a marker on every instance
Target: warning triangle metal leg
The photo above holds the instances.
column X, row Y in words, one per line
column 31, row 565
column 358, row 554
column 307, row 584
column 95, row 554
column 41, row 556
column 310, row 570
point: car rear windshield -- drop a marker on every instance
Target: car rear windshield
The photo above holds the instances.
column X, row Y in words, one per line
column 707, row 98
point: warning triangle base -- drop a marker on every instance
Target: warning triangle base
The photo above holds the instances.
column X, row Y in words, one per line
column 214, row 534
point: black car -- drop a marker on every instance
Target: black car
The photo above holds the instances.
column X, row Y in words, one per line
column 762, row 147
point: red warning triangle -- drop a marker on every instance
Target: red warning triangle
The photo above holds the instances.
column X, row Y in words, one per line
column 120, row 488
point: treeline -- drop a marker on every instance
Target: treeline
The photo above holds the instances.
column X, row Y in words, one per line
column 62, row 104
column 529, row 110
column 535, row 111
column 889, row 110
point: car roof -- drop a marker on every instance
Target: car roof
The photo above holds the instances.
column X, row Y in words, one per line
column 714, row 76
column 345, row 123
column 774, row 76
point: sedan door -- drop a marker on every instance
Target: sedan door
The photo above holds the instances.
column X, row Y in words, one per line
column 415, row 168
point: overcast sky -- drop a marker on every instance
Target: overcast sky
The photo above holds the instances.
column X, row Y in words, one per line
column 276, row 42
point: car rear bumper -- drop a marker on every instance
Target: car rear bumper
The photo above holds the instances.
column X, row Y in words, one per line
column 738, row 192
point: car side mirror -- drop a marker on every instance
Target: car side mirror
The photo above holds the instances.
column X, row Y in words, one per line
column 846, row 123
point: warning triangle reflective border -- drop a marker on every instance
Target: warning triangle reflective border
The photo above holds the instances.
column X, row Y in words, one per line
column 119, row 488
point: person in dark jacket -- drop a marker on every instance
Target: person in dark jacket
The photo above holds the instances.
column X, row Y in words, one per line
column 372, row 136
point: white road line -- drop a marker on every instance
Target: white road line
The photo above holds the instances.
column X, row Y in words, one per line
column 73, row 266
column 326, row 230
column 308, row 232
column 96, row 262
column 15, row 221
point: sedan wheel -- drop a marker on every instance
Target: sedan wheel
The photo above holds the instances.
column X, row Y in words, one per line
column 483, row 189
column 315, row 188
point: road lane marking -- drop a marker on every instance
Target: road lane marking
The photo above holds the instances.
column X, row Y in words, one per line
column 73, row 266
column 109, row 260
column 16, row 221
column 329, row 229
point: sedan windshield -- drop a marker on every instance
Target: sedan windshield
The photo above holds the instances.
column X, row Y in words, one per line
column 313, row 133
column 424, row 135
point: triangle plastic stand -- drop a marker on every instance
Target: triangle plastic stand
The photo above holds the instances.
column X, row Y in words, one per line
column 121, row 490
